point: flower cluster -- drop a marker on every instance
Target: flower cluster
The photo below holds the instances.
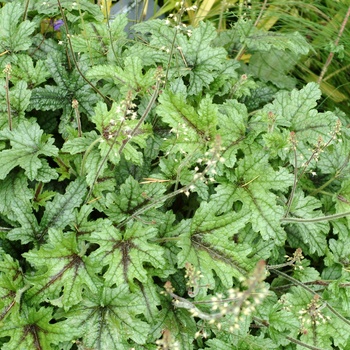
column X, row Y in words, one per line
column 321, row 145
column 312, row 315
column 236, row 303
column 124, row 111
column 193, row 276
column 167, row 342
column 175, row 19
column 210, row 160
column 7, row 69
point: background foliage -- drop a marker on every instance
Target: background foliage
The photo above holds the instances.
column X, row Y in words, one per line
column 173, row 187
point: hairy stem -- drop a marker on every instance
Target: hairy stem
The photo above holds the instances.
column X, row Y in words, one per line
column 318, row 219
column 75, row 60
column 331, row 54
column 143, row 117
column 7, row 71
column 244, row 46
column 88, row 150
column 184, row 189
column 265, row 323
column 298, row 283
column 127, row 140
column 75, row 106
column 295, row 182
column 25, row 10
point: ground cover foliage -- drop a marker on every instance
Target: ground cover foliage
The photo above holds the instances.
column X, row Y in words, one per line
column 323, row 22
column 154, row 195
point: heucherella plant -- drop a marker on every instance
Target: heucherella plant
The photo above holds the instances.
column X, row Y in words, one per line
column 153, row 195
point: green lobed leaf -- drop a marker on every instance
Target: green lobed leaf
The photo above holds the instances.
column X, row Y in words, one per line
column 11, row 286
column 206, row 241
column 250, row 342
column 33, row 329
column 201, row 57
column 100, row 43
column 129, row 78
column 342, row 199
column 195, row 56
column 70, row 85
column 59, row 213
column 150, row 296
column 20, row 99
column 84, row 8
column 131, row 197
column 12, row 189
column 179, row 324
column 273, row 66
column 289, row 106
column 28, row 142
column 265, row 41
column 184, row 120
column 63, row 272
column 232, row 120
column 25, row 69
column 334, row 159
column 261, row 40
column 282, row 324
column 125, row 253
column 255, row 179
column 15, row 34
column 103, row 263
column 28, row 231
column 329, row 333
column 49, row 98
column 312, row 234
column 108, row 318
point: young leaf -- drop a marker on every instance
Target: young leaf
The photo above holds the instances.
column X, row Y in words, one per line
column 59, row 213
column 28, row 143
column 28, row 232
column 131, row 78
